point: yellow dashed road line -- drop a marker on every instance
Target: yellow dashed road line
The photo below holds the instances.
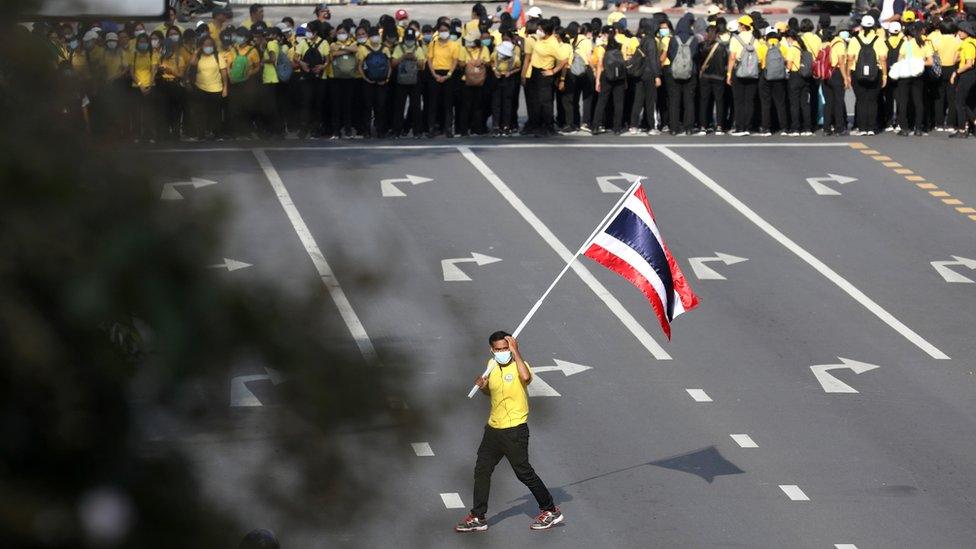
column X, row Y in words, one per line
column 919, row 181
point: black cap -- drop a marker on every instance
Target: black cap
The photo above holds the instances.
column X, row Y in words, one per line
column 966, row 27
column 410, row 34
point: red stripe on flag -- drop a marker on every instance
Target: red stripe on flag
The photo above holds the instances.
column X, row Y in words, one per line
column 681, row 287
column 613, row 262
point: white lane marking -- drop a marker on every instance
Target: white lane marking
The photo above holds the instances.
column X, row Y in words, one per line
column 599, row 289
column 539, row 388
column 830, row 383
column 422, row 449
column 845, row 546
column 242, row 397
column 704, row 272
column 806, row 256
column 452, row 500
column 744, row 441
column 947, row 274
column 630, row 145
column 793, row 492
column 170, row 192
column 230, row 265
column 818, row 186
column 348, row 314
column 388, row 187
column 453, row 273
column 699, row 395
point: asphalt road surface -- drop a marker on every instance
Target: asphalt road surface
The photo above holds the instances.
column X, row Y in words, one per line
column 735, row 434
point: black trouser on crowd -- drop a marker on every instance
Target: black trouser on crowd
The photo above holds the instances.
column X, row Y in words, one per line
column 243, row 98
column 944, row 100
column 343, row 91
column 799, row 103
column 909, row 94
column 570, row 102
column 374, row 95
column 615, row 91
column 744, row 100
column 502, row 114
column 772, row 94
column 441, row 103
column 964, row 106
column 887, row 99
column 311, row 110
column 413, row 115
column 267, row 107
column 531, row 103
column 585, row 90
column 544, row 88
column 471, row 117
column 835, row 111
column 205, row 113
column 512, row 444
column 681, row 102
column 866, row 111
column 144, row 119
column 170, row 95
column 645, row 101
column 711, row 109
column 815, row 100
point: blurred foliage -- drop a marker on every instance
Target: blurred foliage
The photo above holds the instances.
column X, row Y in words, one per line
column 112, row 332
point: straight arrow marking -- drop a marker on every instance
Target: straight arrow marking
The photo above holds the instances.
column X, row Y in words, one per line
column 230, row 265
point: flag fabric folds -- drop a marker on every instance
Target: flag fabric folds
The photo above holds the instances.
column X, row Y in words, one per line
column 631, row 246
column 514, row 8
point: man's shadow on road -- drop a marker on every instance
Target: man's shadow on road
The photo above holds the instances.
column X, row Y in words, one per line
column 706, row 463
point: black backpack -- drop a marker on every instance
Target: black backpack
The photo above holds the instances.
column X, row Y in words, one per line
column 635, row 65
column 613, row 65
column 312, row 56
column 866, row 67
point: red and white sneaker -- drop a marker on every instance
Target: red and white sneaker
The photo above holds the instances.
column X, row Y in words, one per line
column 471, row 523
column 547, row 519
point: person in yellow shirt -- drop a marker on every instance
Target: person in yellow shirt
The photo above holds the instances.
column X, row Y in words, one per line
column 772, row 82
column 478, row 14
column 169, row 85
column 744, row 87
column 374, row 70
column 530, row 34
column 608, row 88
column 245, row 84
column 218, row 23
column 835, row 87
column 255, row 15
column 507, row 435
column 585, row 83
column 799, row 85
column 506, row 63
column 442, row 60
column 169, row 21
column 868, row 78
column 143, row 68
column 345, row 77
column 893, row 39
column 546, row 64
column 210, row 84
column 943, row 95
column 474, row 60
column 408, row 63
column 964, row 79
column 913, row 49
column 270, row 124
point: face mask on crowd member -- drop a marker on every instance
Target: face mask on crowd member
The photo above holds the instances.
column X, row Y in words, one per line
column 142, row 44
column 112, row 45
column 342, row 36
column 155, row 43
column 443, row 34
column 664, row 32
column 374, row 37
column 361, row 36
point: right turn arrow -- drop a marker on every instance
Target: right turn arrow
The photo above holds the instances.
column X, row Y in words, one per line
column 830, row 383
column 942, row 267
column 817, row 183
column 704, row 272
column 388, row 189
column 452, row 273
column 604, row 182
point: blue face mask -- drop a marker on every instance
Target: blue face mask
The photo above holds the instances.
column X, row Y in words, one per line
column 486, row 42
column 503, row 357
column 845, row 35
column 664, row 32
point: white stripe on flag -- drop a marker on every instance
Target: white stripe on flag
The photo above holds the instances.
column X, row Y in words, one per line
column 636, row 206
column 636, row 261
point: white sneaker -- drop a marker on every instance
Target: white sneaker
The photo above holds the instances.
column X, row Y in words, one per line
column 633, row 132
column 653, row 131
column 701, row 132
column 739, row 133
column 857, row 133
column 792, row 134
column 806, row 134
column 764, row 134
column 719, row 132
column 869, row 133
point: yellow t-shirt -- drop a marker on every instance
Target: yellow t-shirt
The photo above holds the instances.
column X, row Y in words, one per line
column 838, row 52
column 253, row 59
column 269, row 72
column 472, row 26
column 509, row 396
column 143, row 66
column 443, row 56
column 503, row 65
column 545, row 53
column 792, row 54
column 335, row 53
column 171, row 68
column 419, row 52
column 479, row 53
column 812, row 42
column 947, row 46
column 967, row 50
column 662, row 47
column 763, row 47
column 596, row 59
column 735, row 46
column 209, row 78
column 584, row 47
column 114, row 64
column 911, row 48
column 565, row 51
column 529, row 45
column 854, row 48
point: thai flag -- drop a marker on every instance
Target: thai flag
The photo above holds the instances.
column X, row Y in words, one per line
column 515, row 8
column 631, row 246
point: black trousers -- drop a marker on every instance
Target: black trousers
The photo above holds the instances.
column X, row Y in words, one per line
column 544, row 87
column 799, row 88
column 744, row 99
column 471, row 117
column 531, row 103
column 944, row 100
column 512, row 444
column 712, row 104
column 645, row 101
column 835, row 110
column 887, row 99
column 585, row 89
column 402, row 94
column 205, row 113
column 610, row 90
column 964, row 104
column 502, row 113
column 772, row 94
column 343, row 91
column 271, row 124
column 170, row 117
column 374, row 96
column 866, row 105
column 569, row 98
column 681, row 102
column 909, row 94
column 441, row 103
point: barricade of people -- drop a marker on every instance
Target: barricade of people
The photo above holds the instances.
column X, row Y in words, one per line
column 398, row 78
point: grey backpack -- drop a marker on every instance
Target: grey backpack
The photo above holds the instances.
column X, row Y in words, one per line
column 578, row 66
column 806, row 64
column 683, row 66
column 748, row 61
column 775, row 65
column 407, row 69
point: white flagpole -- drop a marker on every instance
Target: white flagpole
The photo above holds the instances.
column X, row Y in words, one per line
column 581, row 249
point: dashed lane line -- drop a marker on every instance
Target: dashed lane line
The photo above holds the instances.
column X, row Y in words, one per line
column 422, row 449
column 744, row 441
column 452, row 500
column 699, row 395
column 807, row 257
column 845, row 546
column 563, row 252
column 793, row 492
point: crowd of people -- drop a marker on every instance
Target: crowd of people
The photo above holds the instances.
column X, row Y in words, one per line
column 394, row 78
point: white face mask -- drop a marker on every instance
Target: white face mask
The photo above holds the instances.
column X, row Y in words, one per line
column 374, row 39
column 112, row 44
column 342, row 37
column 540, row 34
column 444, row 35
column 208, row 50
column 155, row 43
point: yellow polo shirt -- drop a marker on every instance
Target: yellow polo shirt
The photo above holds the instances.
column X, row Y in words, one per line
column 509, row 396
column 209, row 68
column 443, row 56
column 967, row 50
column 854, row 48
column 545, row 53
column 947, row 46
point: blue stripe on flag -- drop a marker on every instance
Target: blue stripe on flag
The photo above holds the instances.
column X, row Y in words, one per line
column 631, row 230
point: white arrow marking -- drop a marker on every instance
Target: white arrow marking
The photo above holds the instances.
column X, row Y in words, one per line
column 604, row 182
column 242, row 397
column 942, row 267
column 230, row 265
column 704, row 272
column 452, row 273
column 539, row 388
column 170, row 192
column 793, row 492
column 817, row 183
column 389, row 189
column 830, row 383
